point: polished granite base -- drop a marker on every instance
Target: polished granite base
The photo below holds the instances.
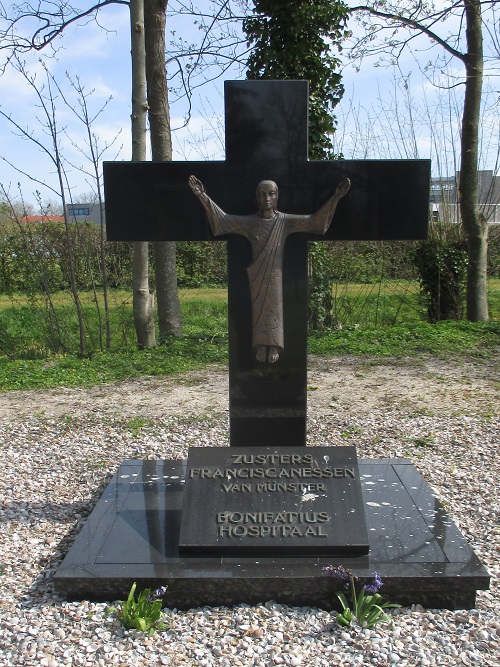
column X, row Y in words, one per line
column 133, row 533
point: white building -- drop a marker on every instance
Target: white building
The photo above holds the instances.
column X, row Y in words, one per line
column 444, row 197
column 85, row 213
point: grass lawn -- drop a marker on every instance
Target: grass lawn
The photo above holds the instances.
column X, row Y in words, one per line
column 28, row 363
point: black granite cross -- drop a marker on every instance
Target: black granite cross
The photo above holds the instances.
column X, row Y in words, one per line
column 266, row 138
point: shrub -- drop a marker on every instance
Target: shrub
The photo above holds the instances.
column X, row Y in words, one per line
column 442, row 265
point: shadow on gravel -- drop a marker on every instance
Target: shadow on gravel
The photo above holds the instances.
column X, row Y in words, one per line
column 41, row 592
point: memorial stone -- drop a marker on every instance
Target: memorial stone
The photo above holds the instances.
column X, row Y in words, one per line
column 260, row 519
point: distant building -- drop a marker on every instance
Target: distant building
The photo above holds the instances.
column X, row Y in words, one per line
column 444, row 197
column 75, row 213
column 84, row 213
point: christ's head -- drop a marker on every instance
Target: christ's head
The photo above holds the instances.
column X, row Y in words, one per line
column 267, row 197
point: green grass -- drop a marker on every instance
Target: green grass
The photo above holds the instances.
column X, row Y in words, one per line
column 32, row 366
column 191, row 352
column 30, row 331
column 391, row 302
column 175, row 356
column 117, row 297
column 444, row 339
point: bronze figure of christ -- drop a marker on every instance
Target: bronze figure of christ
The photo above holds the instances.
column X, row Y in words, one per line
column 267, row 231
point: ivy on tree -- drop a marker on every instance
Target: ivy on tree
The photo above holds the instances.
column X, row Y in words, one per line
column 294, row 41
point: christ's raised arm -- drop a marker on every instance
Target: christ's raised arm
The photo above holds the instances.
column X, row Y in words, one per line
column 220, row 222
column 321, row 220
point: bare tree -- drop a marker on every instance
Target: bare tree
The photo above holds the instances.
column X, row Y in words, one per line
column 169, row 309
column 36, row 26
column 457, row 27
column 143, row 300
column 46, row 103
column 221, row 45
column 92, row 152
column 35, row 255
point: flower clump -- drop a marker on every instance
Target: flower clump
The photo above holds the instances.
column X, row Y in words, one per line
column 366, row 602
column 143, row 613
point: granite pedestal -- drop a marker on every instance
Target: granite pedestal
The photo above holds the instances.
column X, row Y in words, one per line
column 133, row 535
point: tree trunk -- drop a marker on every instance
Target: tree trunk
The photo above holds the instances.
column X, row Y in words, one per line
column 104, row 269
column 143, row 300
column 475, row 225
column 169, row 310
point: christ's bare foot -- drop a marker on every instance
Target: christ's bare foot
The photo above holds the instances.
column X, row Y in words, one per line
column 261, row 353
column 274, row 355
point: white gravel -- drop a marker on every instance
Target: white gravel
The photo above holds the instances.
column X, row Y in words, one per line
column 54, row 469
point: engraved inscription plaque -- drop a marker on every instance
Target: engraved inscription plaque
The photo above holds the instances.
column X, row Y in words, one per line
column 273, row 500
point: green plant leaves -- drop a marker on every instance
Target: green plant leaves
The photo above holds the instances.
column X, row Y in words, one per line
column 142, row 613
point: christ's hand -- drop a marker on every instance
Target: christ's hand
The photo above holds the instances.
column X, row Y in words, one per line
column 343, row 188
column 196, row 186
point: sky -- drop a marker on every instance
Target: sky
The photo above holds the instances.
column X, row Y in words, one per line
column 381, row 114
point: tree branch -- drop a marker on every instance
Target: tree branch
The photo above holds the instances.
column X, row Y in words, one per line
column 414, row 25
column 53, row 23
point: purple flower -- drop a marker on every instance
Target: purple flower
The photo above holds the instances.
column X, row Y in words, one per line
column 158, row 593
column 340, row 573
column 375, row 585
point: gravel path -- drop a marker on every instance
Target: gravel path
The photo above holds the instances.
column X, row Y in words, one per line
column 56, row 462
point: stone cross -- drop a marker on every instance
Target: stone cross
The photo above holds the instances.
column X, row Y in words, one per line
column 266, row 140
